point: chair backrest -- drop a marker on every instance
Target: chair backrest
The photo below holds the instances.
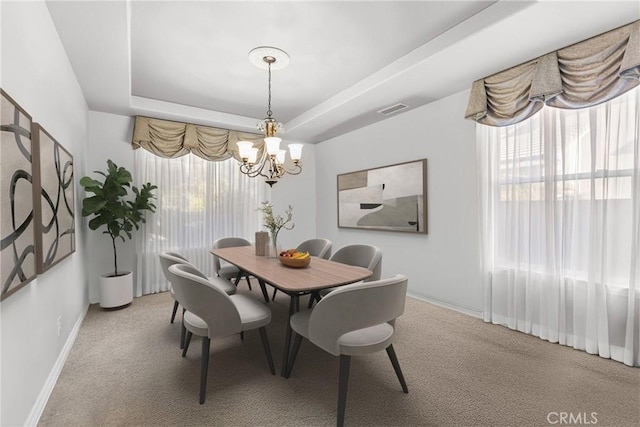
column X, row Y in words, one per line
column 357, row 306
column 204, row 299
column 167, row 259
column 366, row 256
column 316, row 247
column 227, row 242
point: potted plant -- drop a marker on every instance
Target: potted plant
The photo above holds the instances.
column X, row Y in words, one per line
column 119, row 215
column 275, row 224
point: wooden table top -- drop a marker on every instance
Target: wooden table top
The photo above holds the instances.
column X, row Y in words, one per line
column 320, row 273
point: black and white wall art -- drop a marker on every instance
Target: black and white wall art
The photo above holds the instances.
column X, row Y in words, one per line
column 17, row 253
column 391, row 198
column 54, row 206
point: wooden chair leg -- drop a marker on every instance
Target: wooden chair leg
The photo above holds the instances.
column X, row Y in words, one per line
column 175, row 309
column 396, row 367
column 294, row 352
column 342, row 387
column 267, row 349
column 204, row 368
column 187, row 341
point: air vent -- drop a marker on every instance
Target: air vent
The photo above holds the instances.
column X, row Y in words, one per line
column 393, row 109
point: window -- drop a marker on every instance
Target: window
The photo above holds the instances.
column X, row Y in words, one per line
column 198, row 201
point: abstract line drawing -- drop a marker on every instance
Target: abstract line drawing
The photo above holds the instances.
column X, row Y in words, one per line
column 54, row 208
column 391, row 198
column 17, row 247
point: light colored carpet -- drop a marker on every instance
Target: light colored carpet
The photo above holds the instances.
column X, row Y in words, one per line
column 125, row 369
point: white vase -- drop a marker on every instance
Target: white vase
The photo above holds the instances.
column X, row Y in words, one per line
column 116, row 291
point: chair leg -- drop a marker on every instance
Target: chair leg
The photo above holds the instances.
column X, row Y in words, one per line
column 248, row 281
column 175, row 309
column 312, row 298
column 183, row 332
column 273, row 297
column 342, row 387
column 187, row 341
column 242, row 335
column 204, row 368
column 267, row 349
column 396, row 367
column 294, row 352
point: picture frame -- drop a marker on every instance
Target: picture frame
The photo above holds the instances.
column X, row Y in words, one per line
column 17, row 225
column 388, row 198
column 55, row 200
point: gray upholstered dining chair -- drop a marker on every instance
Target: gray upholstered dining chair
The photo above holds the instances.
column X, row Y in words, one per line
column 335, row 327
column 226, row 270
column 316, row 247
column 320, row 248
column 367, row 256
column 167, row 259
column 211, row 313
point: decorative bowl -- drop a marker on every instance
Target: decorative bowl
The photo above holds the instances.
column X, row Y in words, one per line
column 295, row 262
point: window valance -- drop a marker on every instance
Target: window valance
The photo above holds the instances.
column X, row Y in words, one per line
column 170, row 139
column 581, row 75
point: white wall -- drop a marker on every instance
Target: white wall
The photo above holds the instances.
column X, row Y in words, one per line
column 444, row 264
column 36, row 73
column 298, row 191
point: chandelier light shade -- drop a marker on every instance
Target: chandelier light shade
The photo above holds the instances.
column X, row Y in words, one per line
column 271, row 163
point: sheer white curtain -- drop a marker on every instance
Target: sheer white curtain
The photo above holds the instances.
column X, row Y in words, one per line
column 560, row 212
column 198, row 201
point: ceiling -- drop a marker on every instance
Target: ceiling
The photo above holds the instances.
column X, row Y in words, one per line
column 189, row 61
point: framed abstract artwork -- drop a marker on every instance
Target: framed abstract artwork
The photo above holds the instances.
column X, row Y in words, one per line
column 17, row 251
column 391, row 198
column 54, row 204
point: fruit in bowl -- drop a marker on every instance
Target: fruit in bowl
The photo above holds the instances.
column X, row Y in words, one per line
column 294, row 254
column 293, row 258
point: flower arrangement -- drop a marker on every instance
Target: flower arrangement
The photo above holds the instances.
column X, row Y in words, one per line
column 276, row 223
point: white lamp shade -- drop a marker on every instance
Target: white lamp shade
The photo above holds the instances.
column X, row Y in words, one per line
column 295, row 150
column 281, row 156
column 253, row 155
column 243, row 148
column 273, row 145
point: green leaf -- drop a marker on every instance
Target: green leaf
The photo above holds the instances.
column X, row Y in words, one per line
column 92, row 205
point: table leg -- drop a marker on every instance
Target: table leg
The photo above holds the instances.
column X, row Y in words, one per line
column 263, row 288
column 293, row 303
column 238, row 277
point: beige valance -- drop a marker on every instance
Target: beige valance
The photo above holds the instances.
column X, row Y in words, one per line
column 581, row 75
column 175, row 139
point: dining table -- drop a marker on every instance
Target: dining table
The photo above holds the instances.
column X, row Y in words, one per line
column 318, row 275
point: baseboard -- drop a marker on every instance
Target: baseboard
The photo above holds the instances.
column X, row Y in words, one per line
column 461, row 309
column 43, row 397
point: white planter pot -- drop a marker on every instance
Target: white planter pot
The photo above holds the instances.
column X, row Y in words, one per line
column 116, row 291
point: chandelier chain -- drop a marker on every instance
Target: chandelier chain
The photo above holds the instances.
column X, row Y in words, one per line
column 269, row 112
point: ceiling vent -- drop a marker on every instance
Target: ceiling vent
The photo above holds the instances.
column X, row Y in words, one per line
column 393, row 109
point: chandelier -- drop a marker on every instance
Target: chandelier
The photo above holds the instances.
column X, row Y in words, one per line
column 271, row 164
